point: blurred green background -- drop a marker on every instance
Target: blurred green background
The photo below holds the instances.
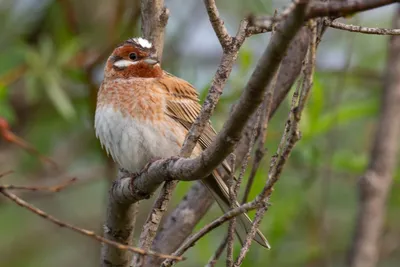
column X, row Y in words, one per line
column 52, row 53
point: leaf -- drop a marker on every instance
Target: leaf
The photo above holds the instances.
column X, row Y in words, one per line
column 6, row 111
column 344, row 114
column 67, row 52
column 345, row 160
column 245, row 60
column 58, row 96
column 316, row 102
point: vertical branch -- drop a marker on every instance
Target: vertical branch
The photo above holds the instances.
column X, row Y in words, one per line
column 374, row 185
column 232, row 223
column 118, row 227
column 154, row 19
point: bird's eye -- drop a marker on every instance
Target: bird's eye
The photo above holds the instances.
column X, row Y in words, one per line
column 133, row 56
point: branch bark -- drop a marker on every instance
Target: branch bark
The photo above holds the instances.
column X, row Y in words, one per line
column 154, row 19
column 374, row 186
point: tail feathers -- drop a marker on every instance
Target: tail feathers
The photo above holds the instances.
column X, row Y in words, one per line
column 219, row 191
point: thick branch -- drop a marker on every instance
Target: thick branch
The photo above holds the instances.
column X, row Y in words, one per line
column 375, row 184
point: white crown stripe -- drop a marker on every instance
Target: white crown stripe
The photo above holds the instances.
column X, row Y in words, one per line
column 142, row 42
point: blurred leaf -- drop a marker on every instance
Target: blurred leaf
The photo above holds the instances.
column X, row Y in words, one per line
column 45, row 66
column 345, row 160
column 68, row 51
column 10, row 58
column 6, row 110
column 58, row 96
column 245, row 60
column 345, row 113
column 316, row 102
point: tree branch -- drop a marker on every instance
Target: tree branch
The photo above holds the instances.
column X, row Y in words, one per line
column 218, row 24
column 375, row 184
column 361, row 29
column 154, row 19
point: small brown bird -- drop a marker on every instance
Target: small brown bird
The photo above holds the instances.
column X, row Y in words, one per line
column 144, row 113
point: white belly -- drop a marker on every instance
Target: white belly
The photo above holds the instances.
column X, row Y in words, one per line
column 132, row 143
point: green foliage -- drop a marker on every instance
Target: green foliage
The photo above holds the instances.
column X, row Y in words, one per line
column 46, row 63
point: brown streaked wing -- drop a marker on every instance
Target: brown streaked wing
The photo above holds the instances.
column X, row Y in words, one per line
column 183, row 105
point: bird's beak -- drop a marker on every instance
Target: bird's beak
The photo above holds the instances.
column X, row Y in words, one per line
column 151, row 60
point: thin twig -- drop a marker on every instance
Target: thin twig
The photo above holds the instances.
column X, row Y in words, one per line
column 53, row 189
column 9, row 136
column 232, row 223
column 3, row 174
column 218, row 24
column 85, row 232
column 361, row 29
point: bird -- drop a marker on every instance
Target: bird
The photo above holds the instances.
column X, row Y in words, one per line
column 144, row 113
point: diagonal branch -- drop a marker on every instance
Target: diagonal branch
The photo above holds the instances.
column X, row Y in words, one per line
column 218, row 24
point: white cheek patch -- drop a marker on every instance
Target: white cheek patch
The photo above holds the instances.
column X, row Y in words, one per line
column 123, row 63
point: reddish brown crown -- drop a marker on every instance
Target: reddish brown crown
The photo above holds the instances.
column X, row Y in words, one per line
column 131, row 59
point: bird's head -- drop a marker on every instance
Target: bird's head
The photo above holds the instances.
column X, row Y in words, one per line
column 135, row 57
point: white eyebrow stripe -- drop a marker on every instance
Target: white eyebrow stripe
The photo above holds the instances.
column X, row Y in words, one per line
column 123, row 63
